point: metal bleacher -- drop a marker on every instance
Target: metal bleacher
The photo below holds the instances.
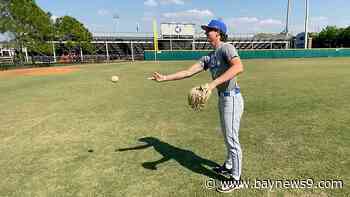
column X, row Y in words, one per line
column 122, row 45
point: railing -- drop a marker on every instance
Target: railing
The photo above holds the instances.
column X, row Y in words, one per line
column 6, row 60
column 123, row 35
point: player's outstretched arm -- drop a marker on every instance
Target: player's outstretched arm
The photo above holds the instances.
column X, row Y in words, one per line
column 192, row 70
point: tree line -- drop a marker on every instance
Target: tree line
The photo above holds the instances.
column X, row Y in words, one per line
column 31, row 27
column 332, row 37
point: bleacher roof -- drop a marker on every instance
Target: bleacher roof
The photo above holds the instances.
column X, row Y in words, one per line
column 104, row 36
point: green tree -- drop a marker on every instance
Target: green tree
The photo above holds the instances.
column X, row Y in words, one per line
column 70, row 29
column 344, row 37
column 28, row 23
column 329, row 36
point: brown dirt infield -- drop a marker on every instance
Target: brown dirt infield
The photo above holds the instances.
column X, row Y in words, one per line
column 39, row 71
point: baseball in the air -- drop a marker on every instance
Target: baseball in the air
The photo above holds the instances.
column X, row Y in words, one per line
column 115, row 78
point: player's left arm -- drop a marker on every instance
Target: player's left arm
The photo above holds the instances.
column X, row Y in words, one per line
column 236, row 67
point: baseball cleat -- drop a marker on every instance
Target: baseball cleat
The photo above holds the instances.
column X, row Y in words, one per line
column 222, row 170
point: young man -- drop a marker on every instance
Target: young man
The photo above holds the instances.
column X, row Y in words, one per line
column 224, row 64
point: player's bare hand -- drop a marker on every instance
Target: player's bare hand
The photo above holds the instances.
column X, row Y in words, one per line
column 157, row 77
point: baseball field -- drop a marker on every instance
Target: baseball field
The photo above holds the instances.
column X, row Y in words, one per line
column 70, row 131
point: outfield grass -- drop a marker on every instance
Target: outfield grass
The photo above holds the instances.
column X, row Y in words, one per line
column 75, row 134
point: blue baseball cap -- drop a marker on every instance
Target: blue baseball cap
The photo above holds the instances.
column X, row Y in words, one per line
column 216, row 24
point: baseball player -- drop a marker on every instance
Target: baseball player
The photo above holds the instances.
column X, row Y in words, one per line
column 224, row 65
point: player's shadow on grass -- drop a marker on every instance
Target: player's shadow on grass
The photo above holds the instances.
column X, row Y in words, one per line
column 185, row 158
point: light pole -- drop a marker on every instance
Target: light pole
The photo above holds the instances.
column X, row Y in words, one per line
column 288, row 18
column 137, row 27
column 116, row 18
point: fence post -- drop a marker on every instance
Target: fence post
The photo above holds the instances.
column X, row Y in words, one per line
column 54, row 52
column 132, row 51
column 107, row 52
column 81, row 55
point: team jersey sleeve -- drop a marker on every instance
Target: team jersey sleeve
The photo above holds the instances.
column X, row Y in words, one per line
column 229, row 52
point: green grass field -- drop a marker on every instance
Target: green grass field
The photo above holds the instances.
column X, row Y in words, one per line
column 76, row 134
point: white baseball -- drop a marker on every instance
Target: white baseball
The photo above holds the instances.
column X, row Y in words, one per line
column 115, row 78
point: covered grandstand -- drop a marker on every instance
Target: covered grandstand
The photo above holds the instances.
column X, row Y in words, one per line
column 133, row 45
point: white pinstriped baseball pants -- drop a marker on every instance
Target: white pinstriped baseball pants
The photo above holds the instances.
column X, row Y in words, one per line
column 231, row 107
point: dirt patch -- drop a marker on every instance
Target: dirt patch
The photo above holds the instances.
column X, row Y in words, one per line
column 39, row 71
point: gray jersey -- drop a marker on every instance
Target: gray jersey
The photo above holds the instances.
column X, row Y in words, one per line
column 217, row 62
